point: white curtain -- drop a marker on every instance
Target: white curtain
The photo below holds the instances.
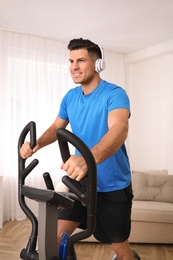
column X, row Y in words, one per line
column 34, row 77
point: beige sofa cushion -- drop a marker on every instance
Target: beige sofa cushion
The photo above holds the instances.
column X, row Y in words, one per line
column 152, row 211
column 158, row 172
column 152, row 187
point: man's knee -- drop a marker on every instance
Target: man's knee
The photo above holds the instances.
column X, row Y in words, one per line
column 66, row 226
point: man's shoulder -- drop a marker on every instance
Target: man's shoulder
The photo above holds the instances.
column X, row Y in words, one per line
column 111, row 87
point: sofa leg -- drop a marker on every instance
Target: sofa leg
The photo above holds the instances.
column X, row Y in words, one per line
column 136, row 256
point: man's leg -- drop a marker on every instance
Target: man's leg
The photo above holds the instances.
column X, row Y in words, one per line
column 66, row 226
column 123, row 250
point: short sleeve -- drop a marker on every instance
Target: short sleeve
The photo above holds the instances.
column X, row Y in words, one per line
column 118, row 99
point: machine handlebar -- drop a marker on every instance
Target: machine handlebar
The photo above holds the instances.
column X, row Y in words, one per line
column 85, row 195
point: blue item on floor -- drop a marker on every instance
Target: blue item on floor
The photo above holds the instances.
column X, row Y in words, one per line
column 62, row 246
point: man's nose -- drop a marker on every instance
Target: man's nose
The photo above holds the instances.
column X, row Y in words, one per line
column 75, row 65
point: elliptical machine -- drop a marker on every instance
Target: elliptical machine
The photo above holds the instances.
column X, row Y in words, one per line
column 46, row 231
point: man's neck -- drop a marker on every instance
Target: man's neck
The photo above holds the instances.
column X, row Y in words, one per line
column 88, row 88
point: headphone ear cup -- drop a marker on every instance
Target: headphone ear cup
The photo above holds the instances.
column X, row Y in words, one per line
column 99, row 65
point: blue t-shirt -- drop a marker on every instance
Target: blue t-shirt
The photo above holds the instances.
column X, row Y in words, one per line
column 88, row 117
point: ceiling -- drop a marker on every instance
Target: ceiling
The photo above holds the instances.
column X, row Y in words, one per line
column 118, row 25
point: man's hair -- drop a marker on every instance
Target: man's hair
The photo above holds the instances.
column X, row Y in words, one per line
column 80, row 43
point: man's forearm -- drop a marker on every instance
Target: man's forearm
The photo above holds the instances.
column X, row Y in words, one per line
column 48, row 137
column 110, row 143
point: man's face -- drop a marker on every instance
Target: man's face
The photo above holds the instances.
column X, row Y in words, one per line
column 82, row 66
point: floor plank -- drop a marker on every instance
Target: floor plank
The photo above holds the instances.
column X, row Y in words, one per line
column 14, row 237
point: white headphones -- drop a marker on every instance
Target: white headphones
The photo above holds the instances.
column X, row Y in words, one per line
column 100, row 63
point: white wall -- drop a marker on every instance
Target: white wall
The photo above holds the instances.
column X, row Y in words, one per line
column 149, row 81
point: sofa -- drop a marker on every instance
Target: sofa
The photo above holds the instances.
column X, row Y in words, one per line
column 152, row 210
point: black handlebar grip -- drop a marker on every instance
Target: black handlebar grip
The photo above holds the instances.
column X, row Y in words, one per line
column 33, row 140
column 30, row 127
column 64, row 136
column 63, row 145
column 24, row 171
column 48, row 181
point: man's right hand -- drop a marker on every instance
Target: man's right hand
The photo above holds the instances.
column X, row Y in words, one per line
column 26, row 151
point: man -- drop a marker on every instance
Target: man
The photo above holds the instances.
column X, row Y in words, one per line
column 98, row 113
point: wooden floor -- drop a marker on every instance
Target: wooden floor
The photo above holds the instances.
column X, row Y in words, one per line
column 14, row 237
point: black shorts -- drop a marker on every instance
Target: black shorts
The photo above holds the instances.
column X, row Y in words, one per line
column 113, row 215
